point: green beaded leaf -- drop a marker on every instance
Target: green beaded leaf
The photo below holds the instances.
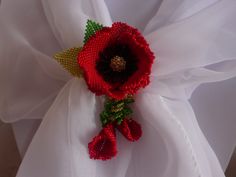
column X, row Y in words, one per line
column 91, row 28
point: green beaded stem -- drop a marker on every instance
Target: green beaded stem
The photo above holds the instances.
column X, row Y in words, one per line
column 116, row 110
column 91, row 28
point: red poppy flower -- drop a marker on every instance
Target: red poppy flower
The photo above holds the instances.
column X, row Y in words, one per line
column 116, row 61
column 103, row 146
column 130, row 129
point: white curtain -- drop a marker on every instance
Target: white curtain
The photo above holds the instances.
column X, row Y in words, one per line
column 187, row 37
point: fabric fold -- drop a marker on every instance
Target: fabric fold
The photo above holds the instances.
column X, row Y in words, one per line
column 200, row 40
column 197, row 47
column 68, row 19
column 59, row 147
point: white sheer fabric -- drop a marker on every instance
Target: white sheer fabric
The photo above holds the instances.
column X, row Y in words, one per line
column 187, row 37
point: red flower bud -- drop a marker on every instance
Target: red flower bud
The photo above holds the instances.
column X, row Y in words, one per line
column 103, row 146
column 130, row 129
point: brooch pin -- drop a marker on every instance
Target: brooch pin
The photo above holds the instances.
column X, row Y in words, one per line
column 116, row 62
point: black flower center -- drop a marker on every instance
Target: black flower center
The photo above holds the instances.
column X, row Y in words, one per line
column 116, row 63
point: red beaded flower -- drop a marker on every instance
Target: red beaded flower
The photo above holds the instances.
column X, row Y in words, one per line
column 116, row 61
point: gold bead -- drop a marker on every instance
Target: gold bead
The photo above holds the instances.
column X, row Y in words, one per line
column 118, row 63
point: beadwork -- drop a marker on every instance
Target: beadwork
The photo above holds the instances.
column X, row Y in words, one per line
column 116, row 62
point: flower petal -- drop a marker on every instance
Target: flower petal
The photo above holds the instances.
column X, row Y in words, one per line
column 87, row 61
column 145, row 57
column 130, row 129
